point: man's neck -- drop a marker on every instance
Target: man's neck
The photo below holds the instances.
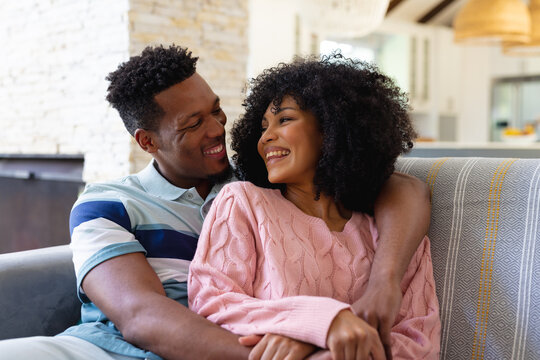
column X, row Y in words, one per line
column 203, row 186
column 204, row 189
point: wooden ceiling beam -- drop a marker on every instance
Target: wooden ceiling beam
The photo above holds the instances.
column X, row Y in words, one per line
column 434, row 11
column 393, row 4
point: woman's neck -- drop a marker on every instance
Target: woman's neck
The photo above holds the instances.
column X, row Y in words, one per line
column 334, row 215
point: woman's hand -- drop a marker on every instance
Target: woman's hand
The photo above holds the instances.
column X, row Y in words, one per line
column 379, row 306
column 351, row 338
column 320, row 355
column 276, row 347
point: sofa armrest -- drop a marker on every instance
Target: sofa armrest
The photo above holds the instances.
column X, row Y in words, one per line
column 38, row 295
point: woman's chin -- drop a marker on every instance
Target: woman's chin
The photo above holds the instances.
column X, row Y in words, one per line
column 274, row 179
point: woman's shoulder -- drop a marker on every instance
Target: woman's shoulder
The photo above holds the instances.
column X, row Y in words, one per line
column 247, row 189
column 246, row 197
column 245, row 186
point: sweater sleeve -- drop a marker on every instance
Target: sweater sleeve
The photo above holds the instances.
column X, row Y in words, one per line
column 222, row 274
column 416, row 332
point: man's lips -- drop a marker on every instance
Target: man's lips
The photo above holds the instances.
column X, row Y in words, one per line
column 215, row 151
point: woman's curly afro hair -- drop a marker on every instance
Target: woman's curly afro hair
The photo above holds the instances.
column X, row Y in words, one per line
column 135, row 83
column 362, row 116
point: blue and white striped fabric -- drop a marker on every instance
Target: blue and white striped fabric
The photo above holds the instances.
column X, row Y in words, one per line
column 139, row 213
column 484, row 229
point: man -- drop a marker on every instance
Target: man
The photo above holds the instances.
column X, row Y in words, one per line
column 133, row 239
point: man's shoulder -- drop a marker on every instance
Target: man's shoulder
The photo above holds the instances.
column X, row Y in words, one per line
column 105, row 200
column 128, row 186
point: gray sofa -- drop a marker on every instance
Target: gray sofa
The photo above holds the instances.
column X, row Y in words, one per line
column 484, row 231
column 37, row 295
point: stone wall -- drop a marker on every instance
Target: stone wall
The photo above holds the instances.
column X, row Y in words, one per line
column 56, row 54
column 214, row 30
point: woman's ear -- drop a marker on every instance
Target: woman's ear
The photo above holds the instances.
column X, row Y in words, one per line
column 147, row 140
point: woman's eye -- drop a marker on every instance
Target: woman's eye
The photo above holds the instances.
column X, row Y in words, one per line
column 263, row 129
column 285, row 119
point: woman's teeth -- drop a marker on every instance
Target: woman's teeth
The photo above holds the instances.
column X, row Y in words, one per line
column 277, row 153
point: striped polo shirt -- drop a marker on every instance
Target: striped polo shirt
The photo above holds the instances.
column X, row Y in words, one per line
column 138, row 213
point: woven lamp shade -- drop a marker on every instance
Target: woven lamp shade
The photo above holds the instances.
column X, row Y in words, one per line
column 532, row 48
column 493, row 22
column 344, row 18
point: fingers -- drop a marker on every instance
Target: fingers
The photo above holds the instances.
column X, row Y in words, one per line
column 351, row 338
column 386, row 339
column 378, row 351
column 260, row 349
column 383, row 325
column 371, row 318
column 277, row 347
column 321, row 355
column 249, row 340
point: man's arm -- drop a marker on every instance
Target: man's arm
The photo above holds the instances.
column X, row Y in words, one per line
column 129, row 292
column 402, row 214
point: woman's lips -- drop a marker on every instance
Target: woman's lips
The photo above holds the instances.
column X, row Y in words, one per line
column 277, row 154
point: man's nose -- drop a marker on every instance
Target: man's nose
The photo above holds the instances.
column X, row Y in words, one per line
column 216, row 127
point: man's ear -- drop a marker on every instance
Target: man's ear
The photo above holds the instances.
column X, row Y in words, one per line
column 147, row 140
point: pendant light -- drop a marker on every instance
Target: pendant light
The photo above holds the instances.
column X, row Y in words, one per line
column 345, row 18
column 493, row 22
column 532, row 48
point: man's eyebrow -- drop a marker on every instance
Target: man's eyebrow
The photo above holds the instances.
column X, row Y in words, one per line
column 196, row 113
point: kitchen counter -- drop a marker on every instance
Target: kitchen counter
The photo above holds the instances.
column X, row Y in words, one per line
column 488, row 149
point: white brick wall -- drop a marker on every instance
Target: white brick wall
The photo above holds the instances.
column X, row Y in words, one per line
column 214, row 30
column 56, row 54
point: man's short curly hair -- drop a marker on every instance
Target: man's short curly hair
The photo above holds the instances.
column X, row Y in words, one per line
column 362, row 115
column 135, row 83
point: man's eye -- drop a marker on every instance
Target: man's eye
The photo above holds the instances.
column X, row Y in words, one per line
column 192, row 126
column 217, row 111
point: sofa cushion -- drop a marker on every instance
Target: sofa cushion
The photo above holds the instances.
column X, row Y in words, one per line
column 37, row 292
column 484, row 231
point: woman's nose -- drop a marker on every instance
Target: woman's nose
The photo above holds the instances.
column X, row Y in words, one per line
column 268, row 135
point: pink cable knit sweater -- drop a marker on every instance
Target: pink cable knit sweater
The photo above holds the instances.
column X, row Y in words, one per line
column 263, row 266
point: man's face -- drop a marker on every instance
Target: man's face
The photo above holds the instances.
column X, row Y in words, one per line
column 191, row 134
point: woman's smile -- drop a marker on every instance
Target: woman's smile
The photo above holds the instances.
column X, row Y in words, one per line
column 290, row 143
column 274, row 154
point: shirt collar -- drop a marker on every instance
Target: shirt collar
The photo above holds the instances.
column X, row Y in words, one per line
column 155, row 184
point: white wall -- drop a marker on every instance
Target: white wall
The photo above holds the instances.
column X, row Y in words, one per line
column 272, row 36
column 56, row 55
column 480, row 66
column 474, row 95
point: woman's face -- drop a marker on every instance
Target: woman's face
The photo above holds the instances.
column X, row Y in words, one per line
column 290, row 143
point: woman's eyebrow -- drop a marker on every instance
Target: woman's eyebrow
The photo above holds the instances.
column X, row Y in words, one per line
column 279, row 109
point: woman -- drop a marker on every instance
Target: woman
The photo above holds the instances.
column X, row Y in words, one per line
column 287, row 251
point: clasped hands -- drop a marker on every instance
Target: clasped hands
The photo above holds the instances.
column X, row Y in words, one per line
column 363, row 333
